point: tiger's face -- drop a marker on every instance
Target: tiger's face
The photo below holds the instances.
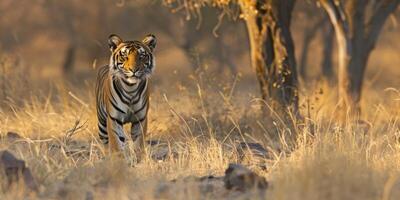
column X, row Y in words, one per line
column 132, row 60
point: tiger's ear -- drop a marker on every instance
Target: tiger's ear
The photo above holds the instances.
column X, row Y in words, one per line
column 151, row 41
column 114, row 41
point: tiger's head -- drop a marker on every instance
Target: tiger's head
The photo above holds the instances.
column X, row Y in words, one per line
column 132, row 60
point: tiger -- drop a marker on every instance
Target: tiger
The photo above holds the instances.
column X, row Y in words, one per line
column 122, row 94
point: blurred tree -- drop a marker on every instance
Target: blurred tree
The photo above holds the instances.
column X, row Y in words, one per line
column 271, row 44
column 326, row 29
column 16, row 20
column 357, row 24
column 327, row 53
column 79, row 31
column 189, row 34
column 309, row 35
column 62, row 14
column 317, row 23
column 83, row 27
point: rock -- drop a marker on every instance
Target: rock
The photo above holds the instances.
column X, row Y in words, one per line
column 160, row 154
column 253, row 154
column 15, row 170
column 12, row 136
column 238, row 177
column 238, row 183
column 210, row 184
column 160, row 151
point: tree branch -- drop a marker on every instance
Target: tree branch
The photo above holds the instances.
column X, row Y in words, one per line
column 378, row 19
column 337, row 15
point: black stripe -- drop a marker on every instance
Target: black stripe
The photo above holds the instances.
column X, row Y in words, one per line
column 116, row 57
column 116, row 120
column 101, row 114
column 114, row 61
column 102, row 130
column 102, row 73
column 141, row 108
column 139, row 94
column 102, row 121
column 103, row 137
column 122, row 90
column 133, row 91
column 144, row 83
column 115, row 131
column 116, row 107
column 136, row 101
column 116, row 89
column 113, row 98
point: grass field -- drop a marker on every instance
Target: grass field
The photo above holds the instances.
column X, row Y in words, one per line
column 204, row 102
column 201, row 120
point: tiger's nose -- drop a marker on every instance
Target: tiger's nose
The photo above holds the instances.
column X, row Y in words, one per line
column 129, row 73
column 129, row 67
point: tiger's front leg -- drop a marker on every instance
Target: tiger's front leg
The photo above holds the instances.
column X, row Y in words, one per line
column 138, row 133
column 115, row 130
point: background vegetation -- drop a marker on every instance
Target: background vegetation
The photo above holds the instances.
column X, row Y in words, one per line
column 205, row 100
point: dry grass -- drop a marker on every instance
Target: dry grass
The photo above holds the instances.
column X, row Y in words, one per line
column 327, row 160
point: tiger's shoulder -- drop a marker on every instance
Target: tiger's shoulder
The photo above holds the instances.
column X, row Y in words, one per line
column 102, row 76
column 102, row 71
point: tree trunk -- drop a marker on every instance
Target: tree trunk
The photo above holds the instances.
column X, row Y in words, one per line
column 354, row 75
column 309, row 35
column 272, row 51
column 346, row 78
column 352, row 65
column 356, row 37
column 327, row 53
column 69, row 59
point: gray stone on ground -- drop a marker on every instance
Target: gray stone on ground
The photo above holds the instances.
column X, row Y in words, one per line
column 160, row 151
column 15, row 171
column 238, row 177
column 12, row 136
column 238, row 183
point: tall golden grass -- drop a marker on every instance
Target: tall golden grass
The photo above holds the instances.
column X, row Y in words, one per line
column 320, row 159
